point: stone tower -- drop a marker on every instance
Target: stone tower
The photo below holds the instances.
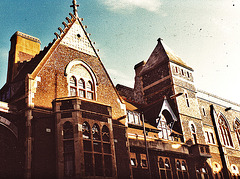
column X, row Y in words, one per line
column 166, row 76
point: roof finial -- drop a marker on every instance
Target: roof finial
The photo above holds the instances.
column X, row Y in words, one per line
column 75, row 5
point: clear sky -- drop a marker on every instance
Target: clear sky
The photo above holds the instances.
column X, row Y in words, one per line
column 205, row 34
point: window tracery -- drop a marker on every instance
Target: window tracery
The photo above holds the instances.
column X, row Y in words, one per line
column 181, row 167
column 193, row 132
column 81, row 80
column 164, row 166
column 165, row 124
column 73, row 86
column 68, row 147
column 97, row 150
column 225, row 132
column 237, row 130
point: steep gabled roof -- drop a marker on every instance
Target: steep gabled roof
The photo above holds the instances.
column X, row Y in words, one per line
column 162, row 53
column 174, row 58
column 73, row 30
column 73, row 36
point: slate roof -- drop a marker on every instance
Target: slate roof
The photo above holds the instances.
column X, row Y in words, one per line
column 162, row 53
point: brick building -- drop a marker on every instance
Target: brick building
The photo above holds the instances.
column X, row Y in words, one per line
column 62, row 117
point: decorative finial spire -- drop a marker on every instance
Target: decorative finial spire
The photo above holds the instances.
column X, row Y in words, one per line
column 75, row 5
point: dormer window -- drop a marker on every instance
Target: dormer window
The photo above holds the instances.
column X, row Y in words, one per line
column 133, row 117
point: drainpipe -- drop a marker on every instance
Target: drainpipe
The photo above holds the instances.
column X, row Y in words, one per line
column 146, row 147
column 220, row 146
column 29, row 139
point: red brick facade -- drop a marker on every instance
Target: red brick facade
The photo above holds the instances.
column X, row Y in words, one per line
column 65, row 118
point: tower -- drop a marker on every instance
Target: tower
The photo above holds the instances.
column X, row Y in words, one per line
column 166, row 76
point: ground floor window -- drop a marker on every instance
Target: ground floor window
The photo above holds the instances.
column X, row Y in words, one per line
column 181, row 168
column 68, row 148
column 202, row 173
column 165, row 169
column 97, row 150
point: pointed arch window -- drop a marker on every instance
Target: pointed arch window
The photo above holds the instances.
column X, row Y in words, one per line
column 225, row 132
column 81, row 80
column 193, row 132
column 165, row 123
column 164, row 166
column 97, row 150
column 68, row 148
column 73, row 86
column 86, row 131
column 181, row 167
column 237, row 130
column 81, row 86
column 89, row 90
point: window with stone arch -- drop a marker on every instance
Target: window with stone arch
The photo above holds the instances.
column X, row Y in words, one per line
column 187, row 99
column 165, row 170
column 81, row 80
column 193, row 132
column 165, row 124
column 181, row 168
column 237, row 129
column 68, row 149
column 225, row 131
column 97, row 150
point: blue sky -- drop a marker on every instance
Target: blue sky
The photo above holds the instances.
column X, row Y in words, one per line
column 205, row 34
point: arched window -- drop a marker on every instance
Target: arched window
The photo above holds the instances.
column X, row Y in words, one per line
column 167, row 164
column 86, row 131
column 237, row 130
column 81, row 86
column 193, row 132
column 164, row 166
column 165, row 124
column 96, row 132
column 161, row 163
column 105, row 134
column 225, row 132
column 89, row 90
column 81, row 80
column 68, row 148
column 97, row 150
column 67, row 130
column 178, row 165
column 73, row 86
column 182, row 170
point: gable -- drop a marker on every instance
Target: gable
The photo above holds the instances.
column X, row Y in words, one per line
column 77, row 39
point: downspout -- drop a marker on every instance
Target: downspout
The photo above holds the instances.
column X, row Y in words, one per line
column 29, row 117
column 220, row 146
column 146, row 146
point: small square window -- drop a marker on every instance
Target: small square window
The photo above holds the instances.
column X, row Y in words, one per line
column 133, row 162
column 144, row 163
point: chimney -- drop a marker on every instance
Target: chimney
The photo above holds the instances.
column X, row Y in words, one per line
column 23, row 48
